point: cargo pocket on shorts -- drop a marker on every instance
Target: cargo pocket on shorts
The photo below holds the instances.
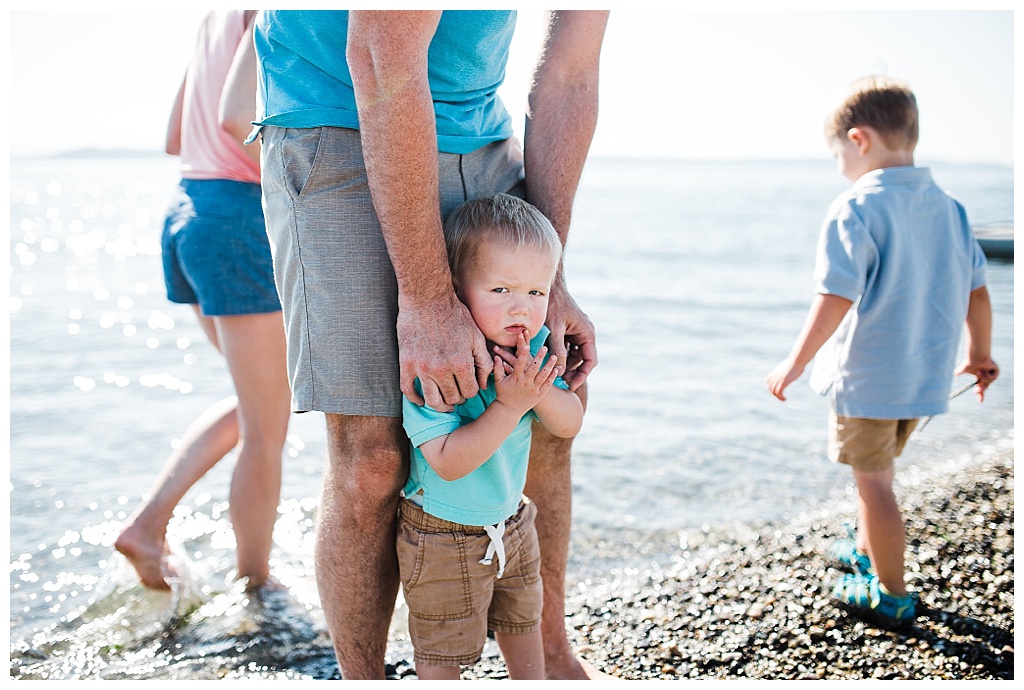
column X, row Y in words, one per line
column 433, row 570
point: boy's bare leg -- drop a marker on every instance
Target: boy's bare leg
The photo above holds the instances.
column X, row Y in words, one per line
column 523, row 653
column 254, row 346
column 882, row 522
column 356, row 563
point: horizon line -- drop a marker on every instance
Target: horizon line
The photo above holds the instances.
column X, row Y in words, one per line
column 99, row 153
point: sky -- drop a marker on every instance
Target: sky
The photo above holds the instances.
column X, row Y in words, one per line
column 736, row 84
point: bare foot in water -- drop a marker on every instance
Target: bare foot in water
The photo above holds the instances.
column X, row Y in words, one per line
column 255, row 585
column 148, row 556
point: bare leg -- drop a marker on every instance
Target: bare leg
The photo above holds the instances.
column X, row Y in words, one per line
column 882, row 524
column 208, row 439
column 143, row 541
column 524, row 654
column 254, row 346
column 549, row 485
column 356, row 563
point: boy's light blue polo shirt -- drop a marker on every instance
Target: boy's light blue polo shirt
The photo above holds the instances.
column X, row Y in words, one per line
column 903, row 251
column 488, row 495
column 304, row 80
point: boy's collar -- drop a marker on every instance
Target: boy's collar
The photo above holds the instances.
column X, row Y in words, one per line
column 894, row 174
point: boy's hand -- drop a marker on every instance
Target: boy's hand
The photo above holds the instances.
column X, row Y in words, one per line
column 985, row 371
column 521, row 382
column 785, row 372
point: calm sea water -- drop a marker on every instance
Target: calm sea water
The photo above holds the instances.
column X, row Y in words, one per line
column 697, row 275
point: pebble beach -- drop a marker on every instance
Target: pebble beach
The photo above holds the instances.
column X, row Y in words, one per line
column 753, row 602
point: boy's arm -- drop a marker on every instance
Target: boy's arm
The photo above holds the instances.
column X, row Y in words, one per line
column 979, row 342
column 561, row 413
column 824, row 317
column 560, row 410
column 455, row 455
column 519, row 388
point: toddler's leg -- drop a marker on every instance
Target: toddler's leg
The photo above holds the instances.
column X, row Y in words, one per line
column 524, row 654
column 882, row 524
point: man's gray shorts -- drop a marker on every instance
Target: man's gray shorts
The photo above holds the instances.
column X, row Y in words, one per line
column 338, row 290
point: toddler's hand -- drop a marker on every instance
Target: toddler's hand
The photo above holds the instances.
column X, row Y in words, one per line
column 785, row 372
column 522, row 382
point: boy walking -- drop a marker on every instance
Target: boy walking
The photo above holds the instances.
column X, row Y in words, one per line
column 468, row 554
column 898, row 271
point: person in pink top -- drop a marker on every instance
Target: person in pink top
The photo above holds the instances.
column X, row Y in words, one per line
column 217, row 259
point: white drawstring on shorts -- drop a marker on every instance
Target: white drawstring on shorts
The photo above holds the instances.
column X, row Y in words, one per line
column 497, row 546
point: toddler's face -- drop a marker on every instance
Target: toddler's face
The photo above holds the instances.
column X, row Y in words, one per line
column 506, row 290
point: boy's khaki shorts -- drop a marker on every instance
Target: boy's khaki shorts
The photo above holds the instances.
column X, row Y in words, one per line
column 454, row 599
column 867, row 445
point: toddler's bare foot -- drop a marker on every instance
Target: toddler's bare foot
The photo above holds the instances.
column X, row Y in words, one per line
column 147, row 556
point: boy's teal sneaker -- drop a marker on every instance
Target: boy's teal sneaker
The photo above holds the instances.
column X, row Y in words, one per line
column 845, row 552
column 864, row 596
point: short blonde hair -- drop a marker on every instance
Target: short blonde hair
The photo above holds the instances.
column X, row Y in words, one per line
column 501, row 218
column 885, row 104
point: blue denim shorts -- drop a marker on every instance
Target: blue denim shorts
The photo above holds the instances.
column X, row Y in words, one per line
column 215, row 249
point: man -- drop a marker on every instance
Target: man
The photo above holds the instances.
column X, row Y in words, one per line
column 375, row 125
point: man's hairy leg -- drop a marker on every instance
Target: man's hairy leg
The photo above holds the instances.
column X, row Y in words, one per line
column 356, row 566
column 549, row 485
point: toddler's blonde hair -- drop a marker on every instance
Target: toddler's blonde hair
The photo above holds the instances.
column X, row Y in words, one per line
column 501, row 218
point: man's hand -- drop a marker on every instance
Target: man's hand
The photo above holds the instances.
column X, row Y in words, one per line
column 573, row 342
column 443, row 347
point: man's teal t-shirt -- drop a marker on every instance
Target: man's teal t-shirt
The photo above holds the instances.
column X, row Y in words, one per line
column 304, row 80
column 489, row 494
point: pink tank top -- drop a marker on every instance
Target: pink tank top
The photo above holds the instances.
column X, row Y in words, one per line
column 207, row 151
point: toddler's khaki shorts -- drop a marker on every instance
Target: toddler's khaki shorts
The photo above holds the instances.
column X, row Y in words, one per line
column 454, row 599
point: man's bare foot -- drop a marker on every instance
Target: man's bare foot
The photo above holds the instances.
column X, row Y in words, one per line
column 148, row 557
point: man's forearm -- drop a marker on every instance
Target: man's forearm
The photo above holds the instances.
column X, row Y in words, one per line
column 387, row 53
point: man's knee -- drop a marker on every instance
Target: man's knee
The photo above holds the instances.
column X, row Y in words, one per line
column 368, row 455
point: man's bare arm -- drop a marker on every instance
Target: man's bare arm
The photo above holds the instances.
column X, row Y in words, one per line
column 560, row 124
column 437, row 339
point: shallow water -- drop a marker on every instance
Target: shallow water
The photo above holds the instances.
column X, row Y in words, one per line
column 697, row 275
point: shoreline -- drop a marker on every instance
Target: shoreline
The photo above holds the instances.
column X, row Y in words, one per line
column 752, row 602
